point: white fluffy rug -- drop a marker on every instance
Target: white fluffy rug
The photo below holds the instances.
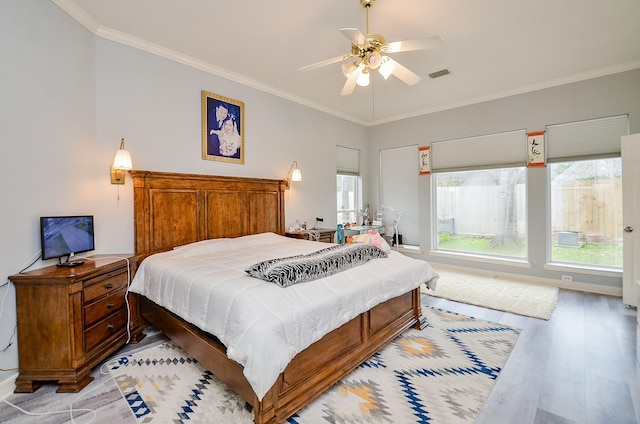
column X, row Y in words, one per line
column 518, row 297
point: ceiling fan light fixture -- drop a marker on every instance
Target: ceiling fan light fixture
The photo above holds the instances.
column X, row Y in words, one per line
column 386, row 67
column 363, row 78
column 373, row 59
column 349, row 68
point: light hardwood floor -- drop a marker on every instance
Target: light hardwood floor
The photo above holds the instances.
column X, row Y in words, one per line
column 579, row 367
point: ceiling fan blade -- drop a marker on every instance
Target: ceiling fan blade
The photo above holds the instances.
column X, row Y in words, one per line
column 350, row 84
column 354, row 35
column 404, row 74
column 325, row 62
column 410, row 45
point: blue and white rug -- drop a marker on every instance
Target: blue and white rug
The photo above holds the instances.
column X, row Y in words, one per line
column 442, row 374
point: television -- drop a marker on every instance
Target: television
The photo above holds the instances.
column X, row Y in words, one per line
column 64, row 236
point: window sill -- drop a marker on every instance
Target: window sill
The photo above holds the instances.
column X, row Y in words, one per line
column 520, row 263
column 583, row 269
column 412, row 250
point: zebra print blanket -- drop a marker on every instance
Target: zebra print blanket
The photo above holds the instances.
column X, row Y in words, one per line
column 296, row 269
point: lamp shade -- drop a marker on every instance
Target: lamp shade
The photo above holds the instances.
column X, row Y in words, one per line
column 373, row 59
column 363, row 78
column 122, row 160
column 296, row 175
column 386, row 67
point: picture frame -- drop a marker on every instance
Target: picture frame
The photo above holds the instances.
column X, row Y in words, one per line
column 424, row 160
column 222, row 128
column 536, row 149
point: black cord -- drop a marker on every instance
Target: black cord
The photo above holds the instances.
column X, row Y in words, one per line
column 10, row 343
column 10, row 338
column 29, row 266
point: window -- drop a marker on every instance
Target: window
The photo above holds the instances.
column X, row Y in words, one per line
column 480, row 197
column 348, row 184
column 347, row 190
column 585, row 189
column 482, row 212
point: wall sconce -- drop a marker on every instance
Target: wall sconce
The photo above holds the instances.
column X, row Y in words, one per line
column 293, row 175
column 121, row 163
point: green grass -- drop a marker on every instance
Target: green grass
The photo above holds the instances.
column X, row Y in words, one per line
column 588, row 254
column 479, row 245
column 610, row 256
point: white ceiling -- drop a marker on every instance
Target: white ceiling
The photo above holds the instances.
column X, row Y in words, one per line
column 493, row 48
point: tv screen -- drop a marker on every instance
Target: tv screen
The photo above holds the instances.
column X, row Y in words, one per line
column 66, row 235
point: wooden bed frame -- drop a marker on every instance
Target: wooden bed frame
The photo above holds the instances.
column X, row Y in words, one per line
column 172, row 209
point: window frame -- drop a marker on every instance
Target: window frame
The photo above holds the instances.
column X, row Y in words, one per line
column 357, row 196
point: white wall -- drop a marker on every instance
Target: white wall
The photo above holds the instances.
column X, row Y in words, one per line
column 67, row 99
column 606, row 96
column 155, row 104
column 47, row 128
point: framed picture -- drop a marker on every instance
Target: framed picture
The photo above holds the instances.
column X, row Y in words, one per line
column 222, row 128
column 535, row 141
column 423, row 160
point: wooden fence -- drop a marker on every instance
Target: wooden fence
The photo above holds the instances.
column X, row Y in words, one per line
column 589, row 207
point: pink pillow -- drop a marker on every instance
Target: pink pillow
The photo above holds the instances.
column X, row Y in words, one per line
column 378, row 241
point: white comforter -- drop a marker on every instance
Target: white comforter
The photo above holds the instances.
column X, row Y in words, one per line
column 263, row 325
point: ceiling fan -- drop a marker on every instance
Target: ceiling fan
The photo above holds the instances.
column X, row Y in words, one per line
column 370, row 53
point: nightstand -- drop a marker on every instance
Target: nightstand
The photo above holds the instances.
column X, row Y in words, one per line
column 71, row 319
column 326, row 234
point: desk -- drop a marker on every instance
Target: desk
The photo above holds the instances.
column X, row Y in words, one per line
column 326, row 234
column 361, row 229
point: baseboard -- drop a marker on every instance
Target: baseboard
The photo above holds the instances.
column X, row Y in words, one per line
column 574, row 285
column 8, row 386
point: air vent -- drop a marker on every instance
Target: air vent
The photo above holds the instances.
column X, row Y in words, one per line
column 440, row 73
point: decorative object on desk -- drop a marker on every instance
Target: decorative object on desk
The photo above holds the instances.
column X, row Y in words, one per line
column 424, row 160
column 396, row 237
column 222, row 128
column 315, row 224
column 442, row 374
column 294, row 174
column 377, row 222
column 121, row 162
column 364, row 213
column 340, row 227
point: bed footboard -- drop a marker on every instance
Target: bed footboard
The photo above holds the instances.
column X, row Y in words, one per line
column 313, row 370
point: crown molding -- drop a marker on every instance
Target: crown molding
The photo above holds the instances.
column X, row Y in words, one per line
column 71, row 8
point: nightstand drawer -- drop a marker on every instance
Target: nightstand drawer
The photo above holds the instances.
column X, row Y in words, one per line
column 107, row 285
column 98, row 310
column 104, row 329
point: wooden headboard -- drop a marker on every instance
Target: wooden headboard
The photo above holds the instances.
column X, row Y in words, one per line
column 172, row 209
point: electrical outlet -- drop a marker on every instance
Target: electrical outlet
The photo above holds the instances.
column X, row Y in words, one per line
column 567, row 278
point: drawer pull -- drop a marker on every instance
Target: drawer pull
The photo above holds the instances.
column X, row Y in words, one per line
column 110, row 326
column 109, row 285
column 109, row 305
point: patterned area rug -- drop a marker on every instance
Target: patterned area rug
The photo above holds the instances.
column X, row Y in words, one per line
column 442, row 374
